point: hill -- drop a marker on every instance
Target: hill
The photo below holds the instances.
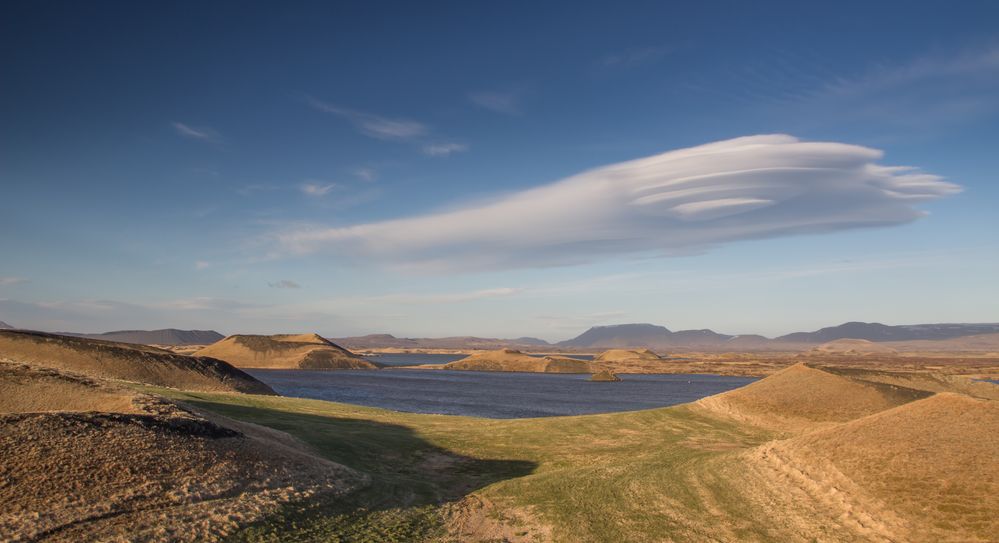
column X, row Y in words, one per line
column 512, row 360
column 617, row 355
column 873, row 331
column 285, row 351
column 853, row 347
column 5, row 326
column 803, row 396
column 168, row 336
column 979, row 343
column 127, row 362
column 923, row 471
column 85, row 460
column 649, row 336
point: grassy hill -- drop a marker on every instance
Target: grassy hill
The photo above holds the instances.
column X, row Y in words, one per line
column 804, row 455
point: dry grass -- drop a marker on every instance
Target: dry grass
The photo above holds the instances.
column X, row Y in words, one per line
column 806, row 455
column 809, row 454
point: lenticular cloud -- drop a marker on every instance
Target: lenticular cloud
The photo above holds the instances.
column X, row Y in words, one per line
column 678, row 201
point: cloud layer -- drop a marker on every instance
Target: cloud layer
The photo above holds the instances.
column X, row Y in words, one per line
column 675, row 202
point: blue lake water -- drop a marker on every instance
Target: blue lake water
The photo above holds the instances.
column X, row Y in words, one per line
column 419, row 359
column 493, row 394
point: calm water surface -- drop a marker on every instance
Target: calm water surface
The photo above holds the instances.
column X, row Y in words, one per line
column 494, row 395
column 419, row 359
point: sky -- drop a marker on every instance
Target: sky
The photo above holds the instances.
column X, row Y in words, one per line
column 497, row 169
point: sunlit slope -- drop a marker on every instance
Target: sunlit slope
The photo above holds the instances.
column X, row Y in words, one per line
column 924, row 471
column 128, row 362
column 285, row 351
column 802, row 397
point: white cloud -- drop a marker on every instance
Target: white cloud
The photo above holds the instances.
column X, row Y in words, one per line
column 313, row 188
column 5, row 281
column 675, row 202
column 366, row 174
column 202, row 265
column 374, row 126
column 499, row 102
column 284, row 283
column 202, row 133
column 443, row 149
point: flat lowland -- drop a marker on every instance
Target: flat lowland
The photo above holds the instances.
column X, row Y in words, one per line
column 513, row 360
column 285, row 351
column 87, row 460
column 126, row 362
column 812, row 453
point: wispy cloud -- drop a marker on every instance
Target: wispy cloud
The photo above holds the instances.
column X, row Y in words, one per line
column 366, row 174
column 317, row 189
column 675, row 202
column 507, row 102
column 7, row 281
column 284, row 283
column 202, row 133
column 371, row 125
column 387, row 129
column 202, row 265
column 443, row 149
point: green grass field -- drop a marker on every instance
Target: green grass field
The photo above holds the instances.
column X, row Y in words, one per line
column 637, row 476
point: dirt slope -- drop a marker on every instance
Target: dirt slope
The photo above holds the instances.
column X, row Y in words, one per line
column 152, row 471
column 925, row 471
column 512, row 360
column 142, row 364
column 285, row 351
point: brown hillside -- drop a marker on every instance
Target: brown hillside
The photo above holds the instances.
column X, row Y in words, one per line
column 512, row 360
column 88, row 461
column 285, row 351
column 802, row 396
column 853, row 347
column 924, row 471
column 127, row 362
column 618, row 355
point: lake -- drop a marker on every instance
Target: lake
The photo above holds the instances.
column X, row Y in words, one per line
column 494, row 394
column 419, row 359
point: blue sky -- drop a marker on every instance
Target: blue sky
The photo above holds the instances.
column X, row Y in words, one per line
column 470, row 168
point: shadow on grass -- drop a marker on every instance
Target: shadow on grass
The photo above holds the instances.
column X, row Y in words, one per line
column 411, row 479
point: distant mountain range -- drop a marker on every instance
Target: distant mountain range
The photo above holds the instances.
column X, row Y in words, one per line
column 5, row 326
column 661, row 338
column 168, row 336
column 873, row 331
